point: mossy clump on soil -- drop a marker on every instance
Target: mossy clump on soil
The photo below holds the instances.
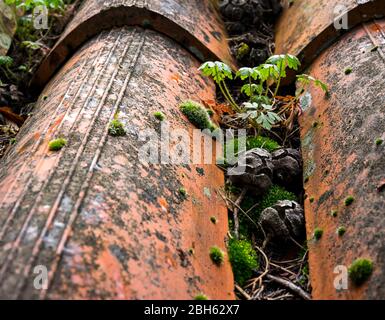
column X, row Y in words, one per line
column 217, row 255
column 197, row 115
column 116, row 128
column 252, row 143
column 243, row 259
column 379, row 142
column 360, row 270
column 318, row 233
column 276, row 193
column 57, row 144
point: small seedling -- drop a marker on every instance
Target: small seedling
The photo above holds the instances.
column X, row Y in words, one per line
column 6, row 61
column 334, row 213
column 31, row 4
column 116, row 128
column 261, row 86
column 57, row 144
column 201, row 296
column 349, row 200
column 217, row 255
column 214, row 220
column 12, row 141
column 159, row 115
column 315, row 124
column 191, row 251
column 360, row 270
column 341, row 231
column 379, row 142
column 348, row 71
column 318, row 233
column 23, row 68
column 311, row 199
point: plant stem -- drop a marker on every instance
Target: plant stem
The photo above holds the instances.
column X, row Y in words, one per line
column 267, row 85
column 279, row 79
column 226, row 93
column 231, row 98
column 251, row 89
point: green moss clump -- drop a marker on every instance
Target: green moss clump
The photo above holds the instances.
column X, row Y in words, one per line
column 311, row 199
column 275, row 194
column 183, row 192
column 201, row 296
column 348, row 71
column 242, row 51
column 318, row 233
column 243, row 259
column 217, row 255
column 57, row 144
column 349, row 200
column 334, row 213
column 360, row 270
column 214, row 220
column 252, row 143
column 197, row 115
column 191, row 251
column 379, row 142
column 116, row 128
column 341, row 231
column 159, row 115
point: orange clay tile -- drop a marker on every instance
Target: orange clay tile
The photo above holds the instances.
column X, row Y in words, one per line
column 196, row 25
column 103, row 223
column 340, row 154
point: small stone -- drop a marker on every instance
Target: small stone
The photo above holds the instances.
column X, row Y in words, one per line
column 283, row 220
column 287, row 166
column 254, row 171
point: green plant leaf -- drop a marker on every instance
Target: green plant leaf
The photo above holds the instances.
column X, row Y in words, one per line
column 219, row 71
column 245, row 73
column 306, row 79
column 268, row 71
column 284, row 60
column 250, row 90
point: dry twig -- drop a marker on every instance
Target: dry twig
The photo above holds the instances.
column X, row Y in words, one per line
column 290, row 285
